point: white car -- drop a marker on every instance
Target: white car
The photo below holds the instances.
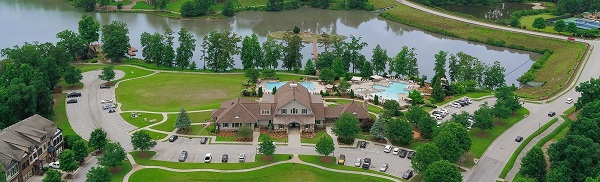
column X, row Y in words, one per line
column 383, row 167
column 208, row 158
column 105, row 101
column 395, row 152
column 444, row 111
column 569, row 100
column 358, row 162
column 54, row 165
column 454, row 104
column 387, row 149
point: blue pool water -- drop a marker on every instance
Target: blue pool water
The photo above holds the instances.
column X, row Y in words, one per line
column 391, row 92
column 309, row 85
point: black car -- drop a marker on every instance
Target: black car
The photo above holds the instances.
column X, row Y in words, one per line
column 519, row 139
column 403, row 153
column 71, row 101
column 551, row 113
column 173, row 138
column 74, row 94
column 203, row 140
column 366, row 163
column 410, row 154
column 408, row 174
column 104, row 86
column 225, row 158
column 363, row 144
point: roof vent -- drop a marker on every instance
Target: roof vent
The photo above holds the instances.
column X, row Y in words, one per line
column 237, row 117
column 354, row 113
column 293, row 85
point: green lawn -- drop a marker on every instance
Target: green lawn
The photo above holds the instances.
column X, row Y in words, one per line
column 282, row 172
column 513, row 158
column 279, row 140
column 481, row 140
column 176, row 5
column 313, row 140
column 193, row 91
column 226, row 139
column 125, row 168
column 197, row 165
column 371, row 108
column 379, row 4
column 528, row 21
column 314, row 159
column 365, row 136
column 142, row 5
column 245, row 3
column 562, row 130
column 168, row 125
column 155, row 135
column 131, row 72
column 206, row 131
column 199, row 117
column 66, row 86
column 139, row 121
column 89, row 67
column 60, row 115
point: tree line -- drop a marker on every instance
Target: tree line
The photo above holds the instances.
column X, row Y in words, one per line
column 462, row 2
column 574, row 157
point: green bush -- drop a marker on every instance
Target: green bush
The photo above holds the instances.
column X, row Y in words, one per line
column 212, row 128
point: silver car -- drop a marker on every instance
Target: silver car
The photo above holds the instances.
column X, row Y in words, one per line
column 383, row 167
column 358, row 162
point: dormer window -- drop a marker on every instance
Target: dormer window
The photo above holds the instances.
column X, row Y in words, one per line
column 304, row 111
column 283, row 111
column 294, row 111
column 265, row 112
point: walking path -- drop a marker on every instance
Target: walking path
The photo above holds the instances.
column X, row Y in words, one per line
column 294, row 160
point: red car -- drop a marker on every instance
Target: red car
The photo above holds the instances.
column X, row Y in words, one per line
column 571, row 38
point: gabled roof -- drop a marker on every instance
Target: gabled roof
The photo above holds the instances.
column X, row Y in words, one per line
column 352, row 108
column 16, row 140
column 291, row 91
column 238, row 111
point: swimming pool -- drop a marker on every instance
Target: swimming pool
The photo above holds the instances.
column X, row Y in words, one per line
column 391, row 92
column 309, row 85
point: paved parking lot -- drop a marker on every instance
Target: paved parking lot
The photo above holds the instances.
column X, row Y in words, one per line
column 471, row 108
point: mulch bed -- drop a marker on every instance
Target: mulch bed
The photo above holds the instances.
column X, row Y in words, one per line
column 267, row 158
column 143, row 154
column 382, row 141
column 309, row 134
column 243, row 139
column 226, row 133
column 274, row 134
column 326, row 159
column 115, row 169
column 69, row 176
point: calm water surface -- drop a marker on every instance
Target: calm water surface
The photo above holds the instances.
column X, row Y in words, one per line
column 37, row 20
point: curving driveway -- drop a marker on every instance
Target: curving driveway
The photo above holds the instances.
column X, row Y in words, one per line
column 499, row 152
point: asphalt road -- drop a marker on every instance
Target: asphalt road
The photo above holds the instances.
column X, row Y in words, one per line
column 499, row 152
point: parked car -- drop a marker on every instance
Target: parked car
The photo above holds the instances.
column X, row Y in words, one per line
column 71, row 101
column 456, row 105
column 203, row 140
column 387, row 149
column 570, row 38
column 173, row 138
column 342, row 159
column 569, row 100
column 444, row 111
column 54, row 165
column 363, row 144
column 403, row 153
column 103, row 86
column 383, row 167
column 395, row 152
column 408, row 174
column 183, row 156
column 519, row 139
column 357, row 162
column 108, row 106
column 366, row 163
column 551, row 114
column 112, row 110
column 208, row 158
column 74, row 94
column 106, row 101
column 242, row 157
column 410, row 154
column 225, row 158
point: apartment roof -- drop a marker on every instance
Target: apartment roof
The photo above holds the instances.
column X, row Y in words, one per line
column 18, row 139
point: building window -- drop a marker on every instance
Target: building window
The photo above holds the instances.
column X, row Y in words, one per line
column 318, row 122
column 304, row 111
column 225, row 125
column 283, row 111
column 265, row 112
column 294, row 111
column 249, row 125
column 236, row 125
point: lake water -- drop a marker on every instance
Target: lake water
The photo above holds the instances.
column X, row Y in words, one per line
column 35, row 20
column 490, row 12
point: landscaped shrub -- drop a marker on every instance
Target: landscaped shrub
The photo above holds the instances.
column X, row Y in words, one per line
column 296, row 31
column 212, row 128
column 245, row 93
column 365, row 126
column 345, row 140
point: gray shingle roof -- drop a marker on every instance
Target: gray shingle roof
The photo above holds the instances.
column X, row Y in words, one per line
column 16, row 140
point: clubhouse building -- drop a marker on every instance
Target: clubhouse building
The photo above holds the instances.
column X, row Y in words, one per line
column 292, row 107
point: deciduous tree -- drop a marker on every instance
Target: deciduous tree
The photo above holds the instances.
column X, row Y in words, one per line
column 494, row 76
column 539, row 23
column 267, row 147
column 590, row 91
column 72, row 75
column 116, row 40
column 113, row 156
column 560, row 26
column 483, row 117
column 379, row 59
column 88, row 29
column 416, row 97
column 244, row 132
column 309, row 68
column 252, row 74
column 425, row 155
column 367, row 70
column 533, row 165
column 108, row 73
column 327, row 75
column 346, row 127
column 399, row 131
column 52, row 175
column 251, row 54
column 454, row 139
column 80, row 150
column 325, row 145
column 228, row 9
column 461, row 118
column 390, row 107
column 442, row 171
column 98, row 174
column 574, row 151
column 73, row 43
column 183, row 123
column 272, row 51
column 274, row 5
column 67, row 161
column 291, row 51
column 426, row 126
column 97, row 139
column 186, row 49
column 87, row 5
column 353, row 51
column 142, row 141
column 220, row 48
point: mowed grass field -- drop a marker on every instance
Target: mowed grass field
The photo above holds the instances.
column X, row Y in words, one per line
column 172, row 91
column 555, row 71
column 282, row 172
column 528, row 21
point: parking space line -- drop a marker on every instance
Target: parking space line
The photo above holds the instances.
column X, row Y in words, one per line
column 396, row 172
column 170, row 157
column 196, row 159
